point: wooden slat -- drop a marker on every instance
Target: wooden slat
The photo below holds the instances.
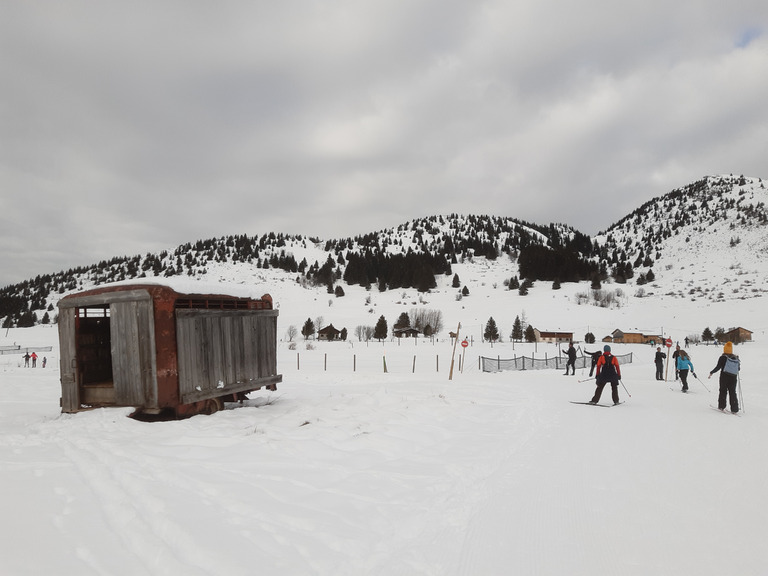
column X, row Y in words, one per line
column 70, row 401
column 196, row 396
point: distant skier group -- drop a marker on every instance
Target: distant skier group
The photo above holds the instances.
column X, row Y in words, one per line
column 607, row 370
column 33, row 357
column 683, row 365
column 728, row 365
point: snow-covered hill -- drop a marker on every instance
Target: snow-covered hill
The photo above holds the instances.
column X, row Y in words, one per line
column 704, row 243
column 715, row 231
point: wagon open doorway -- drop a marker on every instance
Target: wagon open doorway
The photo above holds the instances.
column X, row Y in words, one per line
column 93, row 345
column 107, row 351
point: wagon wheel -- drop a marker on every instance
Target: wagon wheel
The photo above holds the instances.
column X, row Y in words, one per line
column 212, row 405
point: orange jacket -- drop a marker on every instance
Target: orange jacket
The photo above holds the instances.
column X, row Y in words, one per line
column 601, row 362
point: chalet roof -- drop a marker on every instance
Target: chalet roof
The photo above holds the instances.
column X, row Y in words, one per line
column 737, row 328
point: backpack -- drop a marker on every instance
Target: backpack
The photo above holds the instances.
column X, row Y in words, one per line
column 608, row 368
column 732, row 365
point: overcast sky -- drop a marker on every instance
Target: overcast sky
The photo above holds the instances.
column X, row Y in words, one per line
column 132, row 127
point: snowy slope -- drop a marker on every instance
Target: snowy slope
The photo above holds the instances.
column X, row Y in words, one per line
column 362, row 472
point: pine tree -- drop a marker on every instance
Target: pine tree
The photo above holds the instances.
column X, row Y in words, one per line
column 517, row 329
column 491, row 330
column 308, row 329
column 403, row 321
column 530, row 334
column 380, row 331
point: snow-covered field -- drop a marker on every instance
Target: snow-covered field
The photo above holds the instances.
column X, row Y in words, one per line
column 363, row 472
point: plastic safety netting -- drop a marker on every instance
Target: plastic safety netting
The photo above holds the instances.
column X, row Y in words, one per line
column 531, row 363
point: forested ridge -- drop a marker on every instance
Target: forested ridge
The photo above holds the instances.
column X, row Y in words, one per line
column 415, row 253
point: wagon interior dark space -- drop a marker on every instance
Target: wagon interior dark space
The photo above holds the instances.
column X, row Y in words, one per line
column 94, row 349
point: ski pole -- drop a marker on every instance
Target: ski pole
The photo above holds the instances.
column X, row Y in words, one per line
column 702, row 383
column 586, row 380
column 625, row 388
column 741, row 393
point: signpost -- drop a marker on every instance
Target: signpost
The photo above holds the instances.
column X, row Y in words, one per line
column 453, row 354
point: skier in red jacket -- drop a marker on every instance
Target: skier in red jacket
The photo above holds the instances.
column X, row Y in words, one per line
column 607, row 371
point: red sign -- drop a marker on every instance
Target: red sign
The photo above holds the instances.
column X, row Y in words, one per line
column 464, row 344
column 668, row 342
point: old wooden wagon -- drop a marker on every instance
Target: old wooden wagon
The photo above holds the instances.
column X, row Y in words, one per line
column 163, row 352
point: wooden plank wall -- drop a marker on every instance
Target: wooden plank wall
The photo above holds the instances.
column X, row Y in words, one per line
column 133, row 353
column 70, row 400
column 225, row 351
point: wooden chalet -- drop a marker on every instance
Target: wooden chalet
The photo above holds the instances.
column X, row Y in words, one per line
column 620, row 337
column 328, row 333
column 738, row 335
column 405, row 333
column 553, row 337
column 149, row 347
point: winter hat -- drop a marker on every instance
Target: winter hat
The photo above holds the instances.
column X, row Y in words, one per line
column 606, row 348
column 728, row 348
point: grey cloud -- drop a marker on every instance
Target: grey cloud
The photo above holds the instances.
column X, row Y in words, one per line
column 148, row 125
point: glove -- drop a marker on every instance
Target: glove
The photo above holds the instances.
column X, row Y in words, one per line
column 694, row 374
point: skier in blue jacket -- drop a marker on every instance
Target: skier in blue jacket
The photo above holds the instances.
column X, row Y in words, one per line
column 683, row 365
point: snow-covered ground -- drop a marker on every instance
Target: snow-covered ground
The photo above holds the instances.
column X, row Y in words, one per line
column 407, row 472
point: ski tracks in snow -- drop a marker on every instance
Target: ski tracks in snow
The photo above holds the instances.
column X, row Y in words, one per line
column 489, row 519
column 127, row 489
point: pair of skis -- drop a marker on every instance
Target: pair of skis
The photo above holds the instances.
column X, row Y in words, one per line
column 593, row 404
column 725, row 411
column 622, row 402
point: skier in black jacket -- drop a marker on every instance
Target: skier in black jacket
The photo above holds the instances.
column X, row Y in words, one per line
column 608, row 370
column 728, row 380
column 571, row 359
column 595, row 357
column 659, row 364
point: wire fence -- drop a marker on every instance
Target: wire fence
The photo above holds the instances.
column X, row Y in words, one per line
column 23, row 350
column 424, row 361
column 530, row 363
